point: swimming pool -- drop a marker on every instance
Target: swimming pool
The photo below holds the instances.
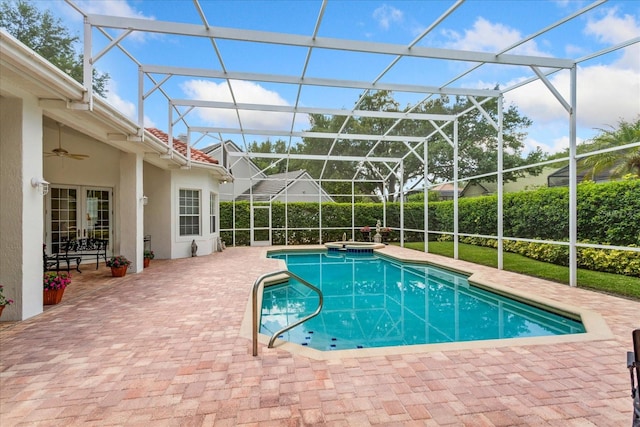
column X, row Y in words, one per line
column 373, row 301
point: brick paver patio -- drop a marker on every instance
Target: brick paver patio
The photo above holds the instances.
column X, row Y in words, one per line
column 164, row 348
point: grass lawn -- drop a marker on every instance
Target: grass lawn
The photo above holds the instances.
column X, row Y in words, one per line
column 605, row 282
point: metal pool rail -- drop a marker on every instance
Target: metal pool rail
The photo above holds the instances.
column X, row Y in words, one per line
column 254, row 296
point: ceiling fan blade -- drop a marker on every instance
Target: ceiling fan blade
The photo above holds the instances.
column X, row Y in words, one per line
column 61, row 152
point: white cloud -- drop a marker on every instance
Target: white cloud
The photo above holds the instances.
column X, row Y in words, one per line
column 385, row 15
column 608, row 87
column 486, row 36
column 116, row 8
column 111, row 7
column 552, row 145
column 244, row 92
column 612, row 29
column 605, row 95
column 574, row 51
column 127, row 108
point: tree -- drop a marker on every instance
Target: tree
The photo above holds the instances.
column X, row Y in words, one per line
column 478, row 144
column 47, row 36
column 620, row 162
column 477, row 141
column 270, row 166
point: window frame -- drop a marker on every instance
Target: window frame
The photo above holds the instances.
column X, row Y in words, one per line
column 212, row 212
column 189, row 195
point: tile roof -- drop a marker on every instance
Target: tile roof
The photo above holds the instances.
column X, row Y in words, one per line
column 181, row 147
column 447, row 189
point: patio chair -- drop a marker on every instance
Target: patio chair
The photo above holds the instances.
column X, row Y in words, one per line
column 52, row 262
column 633, row 363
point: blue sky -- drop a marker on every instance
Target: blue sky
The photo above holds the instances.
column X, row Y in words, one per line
column 608, row 86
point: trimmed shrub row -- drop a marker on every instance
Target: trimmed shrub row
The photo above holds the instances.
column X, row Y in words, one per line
column 608, row 213
column 605, row 260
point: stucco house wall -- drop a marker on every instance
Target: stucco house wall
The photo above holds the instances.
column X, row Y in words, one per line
column 21, row 225
column 193, row 180
column 157, row 212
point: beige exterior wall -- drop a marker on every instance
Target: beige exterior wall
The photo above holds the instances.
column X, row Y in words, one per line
column 203, row 182
column 21, row 225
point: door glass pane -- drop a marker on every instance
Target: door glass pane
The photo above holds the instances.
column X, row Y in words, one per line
column 63, row 217
column 97, row 214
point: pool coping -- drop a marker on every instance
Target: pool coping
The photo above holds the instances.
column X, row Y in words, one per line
column 596, row 328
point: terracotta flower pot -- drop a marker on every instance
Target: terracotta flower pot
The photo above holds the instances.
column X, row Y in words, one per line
column 146, row 262
column 118, row 271
column 1, row 308
column 52, row 296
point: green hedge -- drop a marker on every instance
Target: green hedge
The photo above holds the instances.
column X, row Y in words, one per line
column 607, row 213
column 605, row 260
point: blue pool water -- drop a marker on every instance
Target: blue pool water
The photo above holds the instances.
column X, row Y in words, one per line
column 372, row 301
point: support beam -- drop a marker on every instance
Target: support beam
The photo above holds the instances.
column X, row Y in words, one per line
column 314, row 157
column 312, row 110
column 131, row 212
column 425, row 179
column 314, row 81
column 573, row 183
column 244, row 35
column 500, row 183
column 455, row 189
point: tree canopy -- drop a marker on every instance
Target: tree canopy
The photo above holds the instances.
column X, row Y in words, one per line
column 47, row 36
column 477, row 139
column 621, row 162
column 270, row 166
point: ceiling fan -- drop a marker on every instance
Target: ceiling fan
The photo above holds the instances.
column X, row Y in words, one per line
column 61, row 152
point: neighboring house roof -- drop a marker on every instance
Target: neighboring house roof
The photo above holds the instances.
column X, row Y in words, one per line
column 275, row 184
column 211, row 148
column 560, row 177
column 446, row 190
column 266, row 187
column 527, row 182
column 474, row 189
column 181, row 147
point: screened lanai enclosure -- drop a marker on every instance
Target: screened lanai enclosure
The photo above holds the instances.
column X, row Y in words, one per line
column 351, row 130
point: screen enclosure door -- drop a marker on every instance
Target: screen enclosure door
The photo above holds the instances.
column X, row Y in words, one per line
column 261, row 226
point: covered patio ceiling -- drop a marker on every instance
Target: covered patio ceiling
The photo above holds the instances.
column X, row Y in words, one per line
column 316, row 62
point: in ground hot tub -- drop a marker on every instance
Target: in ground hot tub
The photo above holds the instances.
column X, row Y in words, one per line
column 353, row 246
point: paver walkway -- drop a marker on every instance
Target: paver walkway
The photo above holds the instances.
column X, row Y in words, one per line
column 163, row 348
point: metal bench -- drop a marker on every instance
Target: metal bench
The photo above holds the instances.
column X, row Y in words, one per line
column 86, row 248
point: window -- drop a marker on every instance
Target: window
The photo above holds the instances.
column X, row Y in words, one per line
column 212, row 213
column 189, row 212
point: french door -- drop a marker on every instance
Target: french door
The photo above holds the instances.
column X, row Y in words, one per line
column 74, row 212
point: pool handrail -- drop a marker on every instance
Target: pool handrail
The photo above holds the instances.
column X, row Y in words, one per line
column 254, row 299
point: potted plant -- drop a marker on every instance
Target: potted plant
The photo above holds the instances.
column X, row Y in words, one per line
column 118, row 264
column 384, row 232
column 148, row 256
column 366, row 232
column 4, row 301
column 53, row 286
